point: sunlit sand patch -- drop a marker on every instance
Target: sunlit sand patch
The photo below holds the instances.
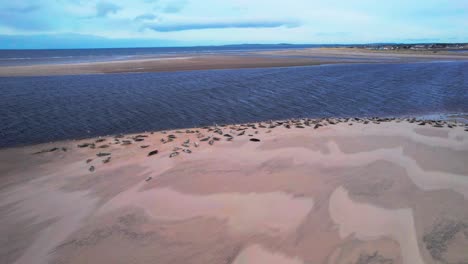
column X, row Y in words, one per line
column 367, row 222
column 392, row 130
column 268, row 213
column 257, row 254
column 430, row 132
column 427, row 156
column 426, row 180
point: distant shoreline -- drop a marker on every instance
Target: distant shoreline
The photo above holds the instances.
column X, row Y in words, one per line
column 256, row 59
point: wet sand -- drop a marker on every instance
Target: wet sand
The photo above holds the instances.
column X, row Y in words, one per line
column 168, row 64
column 263, row 59
column 297, row 191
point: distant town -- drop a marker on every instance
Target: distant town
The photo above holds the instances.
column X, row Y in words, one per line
column 423, row 47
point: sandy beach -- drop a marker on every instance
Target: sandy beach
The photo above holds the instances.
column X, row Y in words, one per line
column 263, row 59
column 297, row 191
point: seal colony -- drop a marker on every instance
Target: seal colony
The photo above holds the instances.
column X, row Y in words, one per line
column 229, row 132
column 332, row 190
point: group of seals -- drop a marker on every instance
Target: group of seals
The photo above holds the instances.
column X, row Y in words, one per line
column 210, row 134
column 64, row 149
column 118, row 140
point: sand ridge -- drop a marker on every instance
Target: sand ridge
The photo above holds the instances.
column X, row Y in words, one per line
column 367, row 222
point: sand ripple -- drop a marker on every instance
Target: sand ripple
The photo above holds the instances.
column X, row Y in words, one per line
column 268, row 213
column 367, row 222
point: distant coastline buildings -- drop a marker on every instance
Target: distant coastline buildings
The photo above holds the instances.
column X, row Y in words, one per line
column 426, row 46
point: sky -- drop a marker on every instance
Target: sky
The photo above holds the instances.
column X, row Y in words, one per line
column 142, row 23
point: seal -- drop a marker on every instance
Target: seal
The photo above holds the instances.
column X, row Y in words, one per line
column 154, row 152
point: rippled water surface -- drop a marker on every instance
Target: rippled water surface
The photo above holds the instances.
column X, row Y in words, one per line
column 41, row 109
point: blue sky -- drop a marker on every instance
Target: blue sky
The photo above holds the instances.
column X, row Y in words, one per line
column 107, row 23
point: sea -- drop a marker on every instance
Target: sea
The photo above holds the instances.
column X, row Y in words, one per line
column 50, row 108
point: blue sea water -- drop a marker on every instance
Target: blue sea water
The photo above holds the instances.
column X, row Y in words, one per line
column 42, row 109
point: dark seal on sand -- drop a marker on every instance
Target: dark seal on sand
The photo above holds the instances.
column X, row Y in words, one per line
column 154, row 152
column 84, row 145
column 46, row 150
column 255, row 139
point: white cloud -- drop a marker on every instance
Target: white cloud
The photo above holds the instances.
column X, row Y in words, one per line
column 227, row 21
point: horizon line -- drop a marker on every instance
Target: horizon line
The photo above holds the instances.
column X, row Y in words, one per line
column 249, row 44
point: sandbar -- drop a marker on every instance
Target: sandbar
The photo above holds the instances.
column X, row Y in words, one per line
column 260, row 59
column 337, row 190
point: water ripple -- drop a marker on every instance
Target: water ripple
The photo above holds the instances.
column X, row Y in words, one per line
column 41, row 109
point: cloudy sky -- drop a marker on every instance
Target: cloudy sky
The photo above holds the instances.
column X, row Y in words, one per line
column 108, row 23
